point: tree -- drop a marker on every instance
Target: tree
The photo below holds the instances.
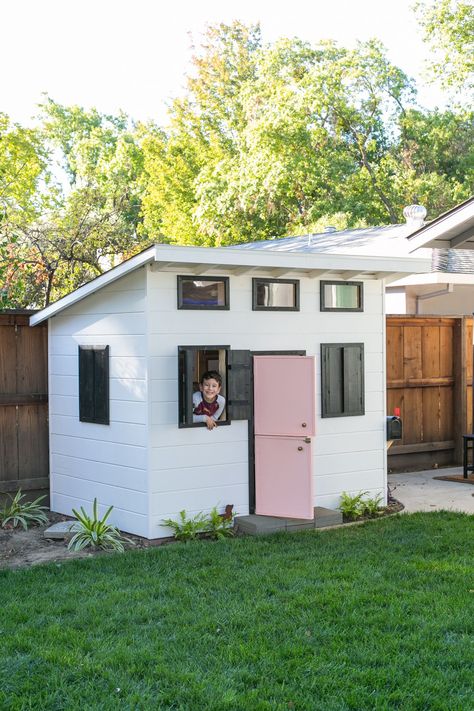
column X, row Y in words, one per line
column 90, row 220
column 449, row 30
column 26, row 190
column 267, row 139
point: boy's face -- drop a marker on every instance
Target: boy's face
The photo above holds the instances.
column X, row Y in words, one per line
column 210, row 389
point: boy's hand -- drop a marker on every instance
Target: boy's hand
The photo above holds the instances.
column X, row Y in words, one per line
column 210, row 423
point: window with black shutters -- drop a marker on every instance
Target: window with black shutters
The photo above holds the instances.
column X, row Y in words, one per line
column 234, row 369
column 342, row 379
column 94, row 384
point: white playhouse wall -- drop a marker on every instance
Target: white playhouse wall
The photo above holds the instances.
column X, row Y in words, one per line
column 143, row 463
column 195, row 469
column 88, row 460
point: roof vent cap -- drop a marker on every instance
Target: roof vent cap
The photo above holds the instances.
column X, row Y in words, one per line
column 330, row 228
column 414, row 214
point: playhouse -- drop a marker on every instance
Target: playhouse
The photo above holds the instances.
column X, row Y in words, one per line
column 297, row 334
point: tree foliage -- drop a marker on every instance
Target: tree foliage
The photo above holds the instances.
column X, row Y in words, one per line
column 448, row 26
column 69, row 231
column 267, row 140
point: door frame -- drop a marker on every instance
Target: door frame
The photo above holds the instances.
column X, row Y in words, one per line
column 251, row 424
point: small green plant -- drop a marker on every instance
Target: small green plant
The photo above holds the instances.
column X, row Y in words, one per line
column 19, row 512
column 218, row 526
column 94, row 531
column 186, row 529
column 372, row 507
column 353, row 507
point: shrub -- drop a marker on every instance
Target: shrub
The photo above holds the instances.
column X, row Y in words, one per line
column 353, row 507
column 186, row 529
column 372, row 507
column 219, row 526
column 23, row 513
column 94, row 531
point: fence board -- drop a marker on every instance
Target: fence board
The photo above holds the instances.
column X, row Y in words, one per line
column 429, row 368
column 24, row 454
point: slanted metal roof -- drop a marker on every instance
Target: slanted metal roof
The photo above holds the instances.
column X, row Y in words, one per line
column 387, row 241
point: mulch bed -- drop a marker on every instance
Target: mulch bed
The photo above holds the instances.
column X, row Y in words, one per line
column 22, row 549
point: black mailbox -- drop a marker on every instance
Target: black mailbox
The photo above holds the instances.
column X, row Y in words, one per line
column 394, row 427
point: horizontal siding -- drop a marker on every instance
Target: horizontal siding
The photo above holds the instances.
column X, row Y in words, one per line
column 123, row 433
column 127, row 477
column 361, row 441
column 350, row 481
column 116, row 496
column 126, row 520
column 185, row 455
column 107, row 462
column 349, row 452
column 134, row 412
column 99, row 450
column 120, row 367
column 340, row 462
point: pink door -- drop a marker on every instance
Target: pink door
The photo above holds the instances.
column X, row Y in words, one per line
column 284, row 412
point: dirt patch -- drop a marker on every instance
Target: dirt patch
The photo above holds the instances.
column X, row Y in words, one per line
column 20, row 549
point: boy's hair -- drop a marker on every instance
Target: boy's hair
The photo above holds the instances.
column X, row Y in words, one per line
column 211, row 374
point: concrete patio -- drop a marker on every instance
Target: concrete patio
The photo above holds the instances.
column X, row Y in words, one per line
column 421, row 491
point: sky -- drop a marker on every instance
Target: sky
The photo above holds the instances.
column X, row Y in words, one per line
column 133, row 54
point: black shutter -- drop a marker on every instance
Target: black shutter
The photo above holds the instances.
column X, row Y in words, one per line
column 94, row 384
column 101, row 385
column 331, row 375
column 353, row 378
column 86, row 384
column 238, row 384
column 187, row 385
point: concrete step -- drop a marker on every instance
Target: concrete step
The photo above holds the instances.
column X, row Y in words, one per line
column 61, row 530
column 256, row 525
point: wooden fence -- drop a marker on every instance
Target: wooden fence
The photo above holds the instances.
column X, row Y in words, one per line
column 24, row 458
column 429, row 377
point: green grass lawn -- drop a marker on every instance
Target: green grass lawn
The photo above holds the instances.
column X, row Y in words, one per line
column 378, row 616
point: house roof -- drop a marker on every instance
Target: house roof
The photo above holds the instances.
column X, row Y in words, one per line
column 348, row 256
column 452, row 230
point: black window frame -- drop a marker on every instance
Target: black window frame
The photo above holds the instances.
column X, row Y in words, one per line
column 185, row 365
column 94, row 384
column 336, row 282
column 338, row 385
column 257, row 280
column 202, row 307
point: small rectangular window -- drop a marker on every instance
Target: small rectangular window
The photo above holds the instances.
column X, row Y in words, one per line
column 342, row 296
column 342, row 379
column 275, row 295
column 201, row 367
column 203, row 292
column 94, row 384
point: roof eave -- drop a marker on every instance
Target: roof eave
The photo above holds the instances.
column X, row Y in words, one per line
column 198, row 260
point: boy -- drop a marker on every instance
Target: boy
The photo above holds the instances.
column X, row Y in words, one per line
column 208, row 404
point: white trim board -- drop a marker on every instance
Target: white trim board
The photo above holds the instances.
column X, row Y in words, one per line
column 209, row 258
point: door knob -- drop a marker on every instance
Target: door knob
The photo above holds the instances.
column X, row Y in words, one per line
column 307, row 440
column 303, row 424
